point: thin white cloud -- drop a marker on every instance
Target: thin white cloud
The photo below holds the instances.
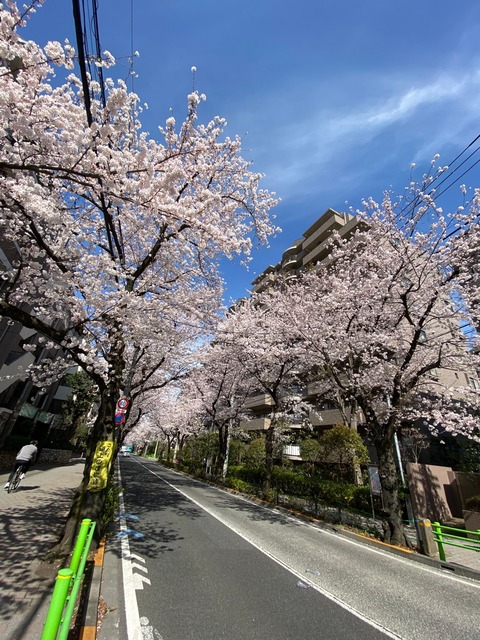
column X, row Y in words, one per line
column 323, row 142
column 404, row 105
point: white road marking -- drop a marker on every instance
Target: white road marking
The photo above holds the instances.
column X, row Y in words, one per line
column 139, row 580
column 134, row 630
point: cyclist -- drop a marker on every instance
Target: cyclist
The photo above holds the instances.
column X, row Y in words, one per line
column 25, row 457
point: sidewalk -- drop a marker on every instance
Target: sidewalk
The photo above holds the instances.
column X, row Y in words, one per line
column 31, row 520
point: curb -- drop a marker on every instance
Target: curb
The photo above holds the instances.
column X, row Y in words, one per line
column 88, row 630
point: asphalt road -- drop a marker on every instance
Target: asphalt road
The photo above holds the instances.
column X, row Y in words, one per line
column 207, row 565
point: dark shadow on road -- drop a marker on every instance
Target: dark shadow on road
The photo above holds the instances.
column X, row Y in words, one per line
column 151, row 494
column 27, row 487
column 257, row 512
column 263, row 512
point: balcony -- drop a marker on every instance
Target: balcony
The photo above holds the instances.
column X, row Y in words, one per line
column 261, row 283
column 294, row 248
column 291, row 263
column 326, row 417
column 318, row 253
column 260, row 401
column 17, row 370
column 292, row 451
column 330, row 221
column 313, row 388
column 258, row 424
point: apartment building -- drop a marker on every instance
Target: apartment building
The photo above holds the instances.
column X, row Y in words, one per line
column 23, row 405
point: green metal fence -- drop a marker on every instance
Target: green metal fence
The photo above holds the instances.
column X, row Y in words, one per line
column 454, row 537
column 67, row 586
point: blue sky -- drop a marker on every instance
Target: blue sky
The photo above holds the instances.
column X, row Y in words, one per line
column 334, row 100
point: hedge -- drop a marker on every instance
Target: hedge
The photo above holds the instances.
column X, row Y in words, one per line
column 297, row 484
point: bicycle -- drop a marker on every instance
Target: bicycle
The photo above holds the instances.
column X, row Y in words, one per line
column 14, row 484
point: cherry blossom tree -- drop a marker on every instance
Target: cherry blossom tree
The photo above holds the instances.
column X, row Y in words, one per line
column 167, row 416
column 222, row 384
column 118, row 235
column 259, row 339
column 385, row 326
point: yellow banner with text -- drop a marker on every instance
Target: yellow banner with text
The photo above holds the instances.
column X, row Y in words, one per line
column 101, row 465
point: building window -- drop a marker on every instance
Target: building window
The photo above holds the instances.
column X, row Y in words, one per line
column 474, row 383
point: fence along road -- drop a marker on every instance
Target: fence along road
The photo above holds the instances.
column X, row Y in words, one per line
column 216, row 561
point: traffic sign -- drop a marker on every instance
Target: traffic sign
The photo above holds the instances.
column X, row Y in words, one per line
column 122, row 403
column 119, row 418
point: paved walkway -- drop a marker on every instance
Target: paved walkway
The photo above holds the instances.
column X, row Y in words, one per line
column 31, row 520
column 463, row 557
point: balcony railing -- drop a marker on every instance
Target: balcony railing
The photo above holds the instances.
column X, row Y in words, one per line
column 258, row 424
column 259, row 401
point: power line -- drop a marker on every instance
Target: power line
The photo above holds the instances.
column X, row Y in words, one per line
column 132, row 50
column 459, row 178
column 412, row 205
column 98, row 51
column 456, row 169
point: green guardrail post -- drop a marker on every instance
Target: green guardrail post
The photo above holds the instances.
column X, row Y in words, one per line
column 57, row 603
column 79, row 545
column 437, row 529
column 72, row 598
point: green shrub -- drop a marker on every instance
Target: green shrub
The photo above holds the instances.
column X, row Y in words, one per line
column 255, row 454
column 248, row 474
column 270, row 495
column 294, row 483
column 361, row 499
column 110, row 507
column 233, row 470
column 291, row 482
column 239, row 485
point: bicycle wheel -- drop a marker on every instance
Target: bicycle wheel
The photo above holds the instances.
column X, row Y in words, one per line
column 15, row 480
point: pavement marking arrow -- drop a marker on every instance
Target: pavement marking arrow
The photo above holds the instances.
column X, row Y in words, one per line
column 135, row 565
column 127, row 516
column 137, row 557
column 139, row 579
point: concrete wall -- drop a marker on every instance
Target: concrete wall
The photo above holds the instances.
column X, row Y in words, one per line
column 47, row 456
column 439, row 493
column 434, row 492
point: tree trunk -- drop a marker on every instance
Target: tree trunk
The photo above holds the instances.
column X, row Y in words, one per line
column 269, row 442
column 392, row 504
column 227, row 450
column 223, row 441
column 89, row 504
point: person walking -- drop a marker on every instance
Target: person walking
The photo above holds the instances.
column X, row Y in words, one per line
column 25, row 458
